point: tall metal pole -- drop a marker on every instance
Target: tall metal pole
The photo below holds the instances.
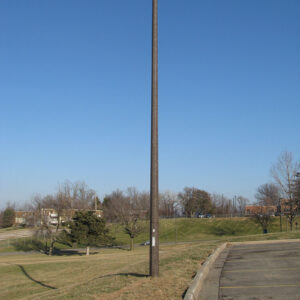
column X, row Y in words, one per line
column 154, row 217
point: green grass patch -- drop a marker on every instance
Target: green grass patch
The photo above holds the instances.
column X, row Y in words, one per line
column 171, row 231
column 192, row 229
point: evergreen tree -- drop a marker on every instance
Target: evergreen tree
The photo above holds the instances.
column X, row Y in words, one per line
column 8, row 217
column 88, row 230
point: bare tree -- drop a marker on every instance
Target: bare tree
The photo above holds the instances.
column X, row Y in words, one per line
column 166, row 204
column 78, row 195
column 297, row 190
column 223, row 205
column 50, row 211
column 284, row 173
column 188, row 201
column 241, row 204
column 84, row 196
column 111, row 205
column 268, row 194
column 144, row 202
column 264, row 220
column 46, row 228
column 126, row 209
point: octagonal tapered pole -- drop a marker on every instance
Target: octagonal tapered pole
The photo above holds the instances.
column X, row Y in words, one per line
column 154, row 216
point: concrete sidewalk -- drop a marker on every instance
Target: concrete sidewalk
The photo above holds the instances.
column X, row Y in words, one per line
column 255, row 271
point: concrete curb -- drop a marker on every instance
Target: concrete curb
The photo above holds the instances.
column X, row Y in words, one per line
column 193, row 291
column 265, row 242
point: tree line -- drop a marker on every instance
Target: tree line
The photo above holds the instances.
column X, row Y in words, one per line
column 125, row 207
column 283, row 191
column 130, row 208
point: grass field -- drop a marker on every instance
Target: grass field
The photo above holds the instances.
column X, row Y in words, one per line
column 121, row 274
column 109, row 274
column 171, row 231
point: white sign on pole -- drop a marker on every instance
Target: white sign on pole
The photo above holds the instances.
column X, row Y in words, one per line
column 153, row 241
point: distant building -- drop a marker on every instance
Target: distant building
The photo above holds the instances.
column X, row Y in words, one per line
column 49, row 215
column 251, row 210
column 21, row 217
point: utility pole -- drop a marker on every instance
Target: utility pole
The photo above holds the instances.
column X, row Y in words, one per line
column 154, row 217
column 175, row 221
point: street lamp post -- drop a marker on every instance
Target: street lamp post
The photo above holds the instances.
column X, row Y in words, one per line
column 154, row 217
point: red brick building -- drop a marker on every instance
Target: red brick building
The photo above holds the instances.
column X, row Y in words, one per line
column 251, row 210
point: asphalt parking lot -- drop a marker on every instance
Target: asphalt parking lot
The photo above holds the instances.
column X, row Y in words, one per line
column 256, row 271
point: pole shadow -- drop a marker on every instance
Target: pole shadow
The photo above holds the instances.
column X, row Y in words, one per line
column 36, row 281
column 124, row 274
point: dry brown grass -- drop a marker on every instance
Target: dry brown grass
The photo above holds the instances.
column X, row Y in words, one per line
column 110, row 274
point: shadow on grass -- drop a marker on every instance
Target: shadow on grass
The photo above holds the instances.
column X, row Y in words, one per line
column 224, row 230
column 132, row 274
column 36, row 281
column 184, row 293
column 37, row 245
column 138, row 275
column 121, row 247
column 69, row 252
column 28, row 245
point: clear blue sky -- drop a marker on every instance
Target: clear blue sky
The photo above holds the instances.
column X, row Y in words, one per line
column 75, row 93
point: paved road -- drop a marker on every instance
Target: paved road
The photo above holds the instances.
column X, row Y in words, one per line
column 256, row 271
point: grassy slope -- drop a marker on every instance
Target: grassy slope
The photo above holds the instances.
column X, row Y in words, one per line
column 197, row 229
column 187, row 230
column 121, row 274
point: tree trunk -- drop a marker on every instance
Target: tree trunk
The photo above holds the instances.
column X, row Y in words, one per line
column 53, row 237
column 87, row 250
column 51, row 248
column 280, row 223
column 131, row 244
